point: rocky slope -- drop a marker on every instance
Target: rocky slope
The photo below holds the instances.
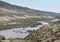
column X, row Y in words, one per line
column 48, row 33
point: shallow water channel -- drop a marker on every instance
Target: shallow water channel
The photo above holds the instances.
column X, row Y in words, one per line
column 20, row 32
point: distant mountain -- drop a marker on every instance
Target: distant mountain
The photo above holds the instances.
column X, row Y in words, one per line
column 19, row 9
column 24, row 10
column 13, row 11
column 52, row 13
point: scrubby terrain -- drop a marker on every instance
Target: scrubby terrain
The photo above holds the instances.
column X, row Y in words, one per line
column 48, row 33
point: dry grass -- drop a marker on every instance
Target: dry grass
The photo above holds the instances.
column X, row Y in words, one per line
column 16, row 41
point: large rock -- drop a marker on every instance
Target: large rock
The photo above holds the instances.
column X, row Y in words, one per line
column 2, row 37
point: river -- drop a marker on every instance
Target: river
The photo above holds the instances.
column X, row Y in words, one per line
column 20, row 32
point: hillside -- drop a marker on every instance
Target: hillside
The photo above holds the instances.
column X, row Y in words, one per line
column 48, row 33
column 13, row 16
column 8, row 9
column 18, row 9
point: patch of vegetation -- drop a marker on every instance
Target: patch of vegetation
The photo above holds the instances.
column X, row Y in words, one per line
column 47, row 33
column 22, row 23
